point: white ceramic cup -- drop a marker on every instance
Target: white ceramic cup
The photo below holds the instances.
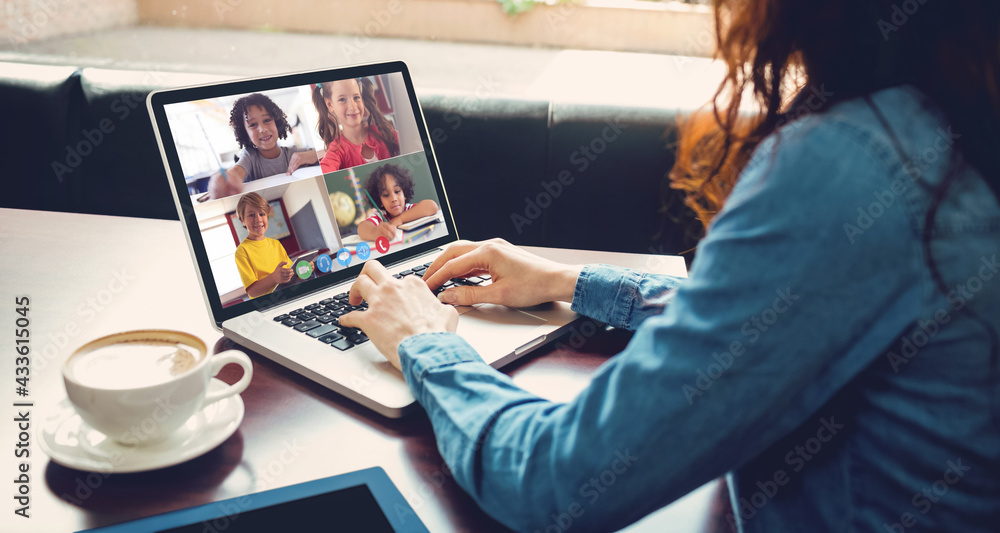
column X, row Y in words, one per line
column 138, row 387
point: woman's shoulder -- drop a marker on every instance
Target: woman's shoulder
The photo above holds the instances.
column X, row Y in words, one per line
column 894, row 121
column 885, row 129
column 838, row 154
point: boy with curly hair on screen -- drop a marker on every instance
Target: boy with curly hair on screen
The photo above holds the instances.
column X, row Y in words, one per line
column 258, row 123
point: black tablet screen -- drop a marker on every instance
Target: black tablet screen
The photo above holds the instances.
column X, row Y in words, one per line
column 350, row 509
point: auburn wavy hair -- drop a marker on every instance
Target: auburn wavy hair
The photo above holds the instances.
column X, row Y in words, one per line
column 778, row 52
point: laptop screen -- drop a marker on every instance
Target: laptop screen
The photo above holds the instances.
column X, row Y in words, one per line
column 289, row 184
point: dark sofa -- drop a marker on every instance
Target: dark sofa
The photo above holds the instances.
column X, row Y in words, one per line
column 535, row 172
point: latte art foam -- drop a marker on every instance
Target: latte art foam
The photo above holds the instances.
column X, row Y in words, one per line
column 132, row 365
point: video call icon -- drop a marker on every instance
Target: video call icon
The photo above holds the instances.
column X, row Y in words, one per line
column 363, row 251
column 344, row 256
column 303, row 269
column 324, row 263
column 382, row 244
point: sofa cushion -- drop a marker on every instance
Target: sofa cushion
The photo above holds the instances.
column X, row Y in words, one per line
column 124, row 174
column 489, row 150
column 606, row 185
column 42, row 101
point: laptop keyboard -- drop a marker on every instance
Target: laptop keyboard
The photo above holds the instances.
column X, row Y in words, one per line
column 320, row 320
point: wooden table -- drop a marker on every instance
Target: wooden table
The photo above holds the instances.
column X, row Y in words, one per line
column 88, row 276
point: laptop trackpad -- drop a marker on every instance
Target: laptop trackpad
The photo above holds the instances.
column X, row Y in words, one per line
column 495, row 331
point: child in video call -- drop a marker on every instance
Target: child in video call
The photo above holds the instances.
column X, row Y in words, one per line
column 392, row 187
column 258, row 123
column 262, row 261
column 352, row 127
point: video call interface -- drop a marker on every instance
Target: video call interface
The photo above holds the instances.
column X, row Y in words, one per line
column 315, row 179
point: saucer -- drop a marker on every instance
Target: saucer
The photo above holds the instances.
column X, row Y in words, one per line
column 69, row 441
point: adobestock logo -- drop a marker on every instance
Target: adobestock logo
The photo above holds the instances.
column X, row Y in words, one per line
column 796, row 458
column 923, row 332
column 914, row 168
column 899, row 17
column 581, row 158
column 752, row 329
column 929, row 495
column 375, row 27
column 89, row 140
column 40, row 13
column 592, row 489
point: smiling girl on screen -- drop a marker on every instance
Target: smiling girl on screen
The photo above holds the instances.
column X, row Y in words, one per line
column 352, row 127
column 262, row 261
column 392, row 187
column 258, row 123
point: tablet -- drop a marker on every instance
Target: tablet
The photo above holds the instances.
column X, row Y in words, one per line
column 365, row 500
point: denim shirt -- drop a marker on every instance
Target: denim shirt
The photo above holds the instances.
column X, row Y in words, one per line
column 811, row 355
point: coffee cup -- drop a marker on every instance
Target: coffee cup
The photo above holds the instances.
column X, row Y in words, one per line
column 139, row 387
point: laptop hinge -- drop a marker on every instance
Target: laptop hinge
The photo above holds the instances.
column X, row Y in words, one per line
column 412, row 257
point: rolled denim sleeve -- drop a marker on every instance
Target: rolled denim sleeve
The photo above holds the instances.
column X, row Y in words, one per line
column 621, row 297
column 756, row 341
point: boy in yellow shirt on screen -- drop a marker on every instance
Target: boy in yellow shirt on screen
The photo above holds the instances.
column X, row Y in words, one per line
column 262, row 261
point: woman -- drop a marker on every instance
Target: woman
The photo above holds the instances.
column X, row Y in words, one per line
column 834, row 349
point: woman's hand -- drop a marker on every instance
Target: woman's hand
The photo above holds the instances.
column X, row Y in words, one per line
column 397, row 309
column 520, row 279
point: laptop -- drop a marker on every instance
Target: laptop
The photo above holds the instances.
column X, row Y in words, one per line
column 317, row 211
